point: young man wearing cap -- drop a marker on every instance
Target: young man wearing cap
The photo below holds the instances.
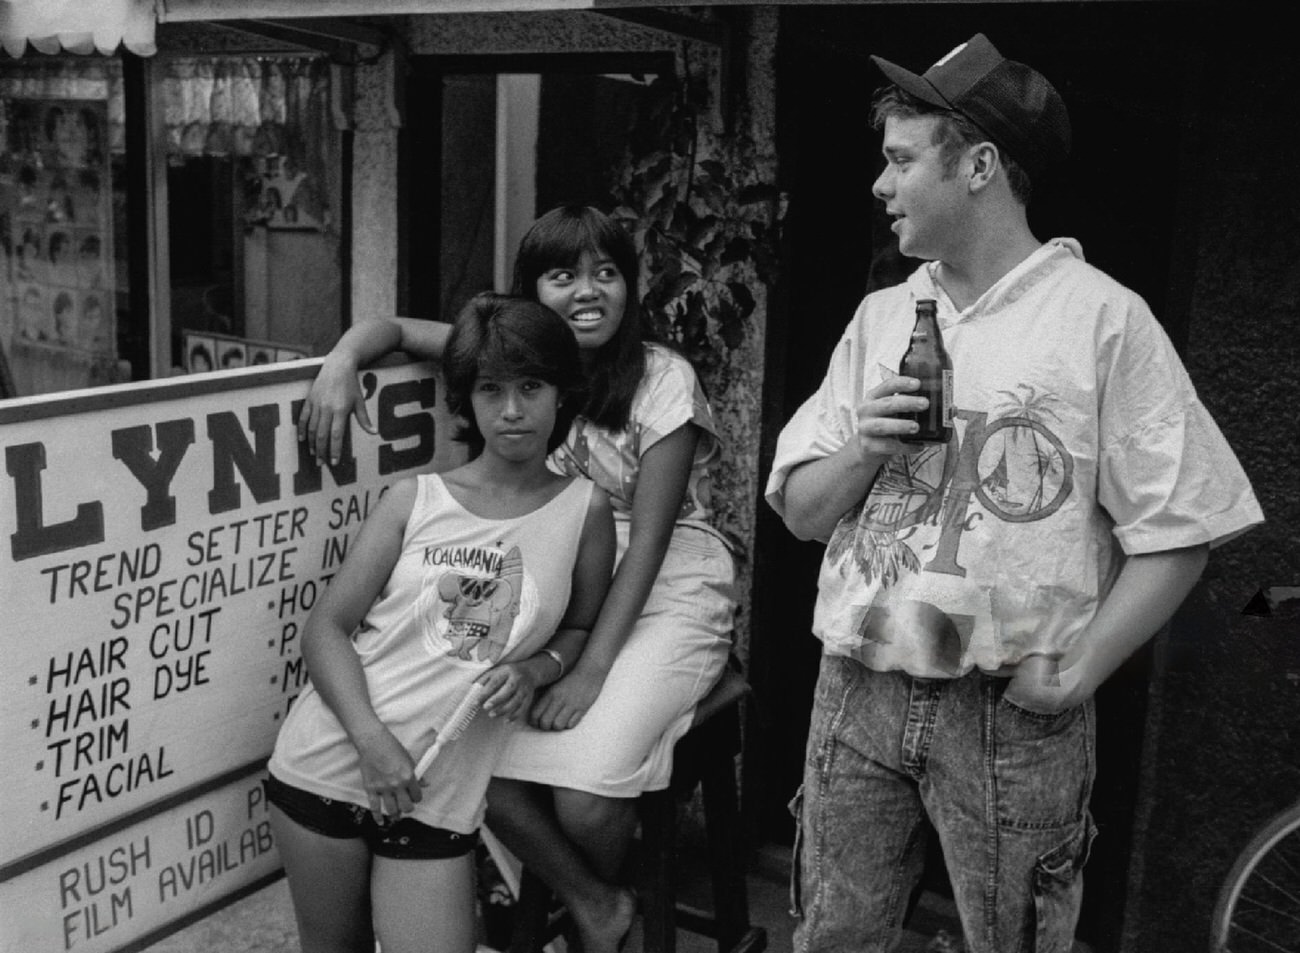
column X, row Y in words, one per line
column 974, row 595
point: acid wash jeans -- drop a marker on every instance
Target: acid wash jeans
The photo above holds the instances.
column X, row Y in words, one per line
column 1006, row 790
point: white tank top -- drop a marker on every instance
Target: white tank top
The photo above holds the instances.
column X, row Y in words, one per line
column 466, row 592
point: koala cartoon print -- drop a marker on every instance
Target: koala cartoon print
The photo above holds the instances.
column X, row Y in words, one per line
column 473, row 600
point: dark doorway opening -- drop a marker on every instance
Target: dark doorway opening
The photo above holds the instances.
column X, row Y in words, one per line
column 587, row 106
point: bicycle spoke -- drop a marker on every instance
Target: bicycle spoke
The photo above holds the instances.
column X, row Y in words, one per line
column 1268, row 908
column 1275, row 884
column 1278, row 857
column 1263, row 939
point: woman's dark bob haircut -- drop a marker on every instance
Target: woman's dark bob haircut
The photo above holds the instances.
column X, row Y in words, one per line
column 507, row 336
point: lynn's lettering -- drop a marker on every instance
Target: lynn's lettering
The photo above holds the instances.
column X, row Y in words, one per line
column 241, row 450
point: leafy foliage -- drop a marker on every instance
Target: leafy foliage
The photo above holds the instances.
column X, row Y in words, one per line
column 707, row 232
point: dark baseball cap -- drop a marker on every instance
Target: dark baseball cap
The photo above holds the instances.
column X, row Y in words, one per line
column 1013, row 104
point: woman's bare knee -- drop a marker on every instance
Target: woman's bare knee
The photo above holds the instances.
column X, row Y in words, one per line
column 582, row 810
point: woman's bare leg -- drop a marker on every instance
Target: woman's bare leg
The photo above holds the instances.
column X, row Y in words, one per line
column 601, row 827
column 329, row 881
column 425, row 906
column 523, row 815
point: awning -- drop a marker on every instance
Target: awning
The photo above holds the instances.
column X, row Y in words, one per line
column 77, row 26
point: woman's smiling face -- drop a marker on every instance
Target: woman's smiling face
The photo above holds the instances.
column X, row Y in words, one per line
column 590, row 296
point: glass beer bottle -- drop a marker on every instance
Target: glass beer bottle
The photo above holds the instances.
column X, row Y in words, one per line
column 928, row 362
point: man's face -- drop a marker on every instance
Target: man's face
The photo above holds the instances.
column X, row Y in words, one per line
column 928, row 205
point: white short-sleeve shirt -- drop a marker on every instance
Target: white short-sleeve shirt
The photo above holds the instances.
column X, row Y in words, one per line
column 1078, row 437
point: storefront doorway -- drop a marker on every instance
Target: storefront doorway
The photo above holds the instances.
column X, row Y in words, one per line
column 490, row 142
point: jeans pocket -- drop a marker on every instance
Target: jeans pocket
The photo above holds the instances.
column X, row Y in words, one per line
column 1042, row 766
column 1058, row 889
column 796, row 864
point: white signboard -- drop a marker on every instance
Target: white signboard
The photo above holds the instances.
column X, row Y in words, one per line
column 128, row 887
column 161, row 545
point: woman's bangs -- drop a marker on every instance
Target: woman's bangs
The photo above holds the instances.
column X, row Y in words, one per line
column 506, row 356
column 568, row 239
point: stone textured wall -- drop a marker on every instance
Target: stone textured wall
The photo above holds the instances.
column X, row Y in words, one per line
column 737, row 401
column 376, row 120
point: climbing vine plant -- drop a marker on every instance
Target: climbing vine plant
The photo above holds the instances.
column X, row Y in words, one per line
column 707, row 231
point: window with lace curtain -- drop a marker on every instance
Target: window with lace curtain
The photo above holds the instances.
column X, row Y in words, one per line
column 254, row 184
column 253, row 191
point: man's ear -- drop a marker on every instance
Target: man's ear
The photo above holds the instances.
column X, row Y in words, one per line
column 985, row 161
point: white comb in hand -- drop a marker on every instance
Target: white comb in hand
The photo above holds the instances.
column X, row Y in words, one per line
column 460, row 718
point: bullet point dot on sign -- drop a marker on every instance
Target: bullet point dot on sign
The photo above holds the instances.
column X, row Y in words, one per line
column 271, row 606
column 45, row 805
column 272, row 679
column 270, row 643
column 36, row 723
column 31, row 680
column 276, row 716
column 40, row 765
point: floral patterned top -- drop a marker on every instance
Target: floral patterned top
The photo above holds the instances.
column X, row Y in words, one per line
column 669, row 395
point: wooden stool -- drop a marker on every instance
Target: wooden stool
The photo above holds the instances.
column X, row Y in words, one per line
column 704, row 757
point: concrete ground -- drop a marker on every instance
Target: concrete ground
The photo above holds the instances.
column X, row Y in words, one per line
column 263, row 921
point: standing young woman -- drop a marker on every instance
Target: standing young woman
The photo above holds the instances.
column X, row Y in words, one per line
column 488, row 575
column 564, row 801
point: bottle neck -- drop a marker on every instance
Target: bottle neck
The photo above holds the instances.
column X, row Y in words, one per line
column 926, row 328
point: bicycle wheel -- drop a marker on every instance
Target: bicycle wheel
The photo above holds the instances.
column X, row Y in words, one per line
column 1258, row 910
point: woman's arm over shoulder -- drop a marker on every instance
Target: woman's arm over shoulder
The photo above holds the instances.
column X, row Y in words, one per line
column 335, row 394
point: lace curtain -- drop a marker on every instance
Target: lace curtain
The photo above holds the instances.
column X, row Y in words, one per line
column 246, row 105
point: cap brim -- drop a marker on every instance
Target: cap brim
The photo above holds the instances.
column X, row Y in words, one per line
column 909, row 82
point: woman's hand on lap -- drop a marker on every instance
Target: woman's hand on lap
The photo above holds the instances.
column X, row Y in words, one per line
column 563, row 704
column 512, row 688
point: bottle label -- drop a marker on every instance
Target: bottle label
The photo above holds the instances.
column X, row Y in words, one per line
column 947, row 397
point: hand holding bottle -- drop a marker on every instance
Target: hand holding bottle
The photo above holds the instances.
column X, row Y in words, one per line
column 887, row 417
